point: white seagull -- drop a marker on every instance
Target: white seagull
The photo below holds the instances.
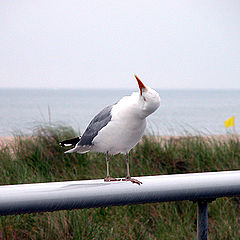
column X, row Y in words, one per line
column 118, row 127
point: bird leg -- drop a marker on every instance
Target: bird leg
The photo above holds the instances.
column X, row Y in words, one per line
column 128, row 178
column 108, row 178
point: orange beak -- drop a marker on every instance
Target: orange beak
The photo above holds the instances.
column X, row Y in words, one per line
column 140, row 84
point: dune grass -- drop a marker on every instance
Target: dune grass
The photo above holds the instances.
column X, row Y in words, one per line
column 39, row 158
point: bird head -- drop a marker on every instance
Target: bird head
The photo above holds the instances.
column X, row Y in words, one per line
column 149, row 99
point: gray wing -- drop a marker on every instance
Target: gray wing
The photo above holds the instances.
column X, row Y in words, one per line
column 98, row 122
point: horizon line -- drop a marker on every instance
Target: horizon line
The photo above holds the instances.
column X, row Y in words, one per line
column 44, row 88
column 91, row 88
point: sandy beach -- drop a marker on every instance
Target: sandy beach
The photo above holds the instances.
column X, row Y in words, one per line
column 9, row 140
column 6, row 141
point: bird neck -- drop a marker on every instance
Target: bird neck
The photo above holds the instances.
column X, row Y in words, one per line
column 147, row 106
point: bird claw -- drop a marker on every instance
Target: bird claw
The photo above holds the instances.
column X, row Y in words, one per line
column 133, row 180
column 110, row 179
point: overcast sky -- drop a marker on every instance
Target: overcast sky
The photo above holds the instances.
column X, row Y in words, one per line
column 102, row 44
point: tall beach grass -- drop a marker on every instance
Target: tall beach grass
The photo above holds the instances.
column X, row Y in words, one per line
column 39, row 158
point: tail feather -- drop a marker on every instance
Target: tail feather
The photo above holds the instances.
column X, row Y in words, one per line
column 70, row 142
column 73, row 142
column 81, row 149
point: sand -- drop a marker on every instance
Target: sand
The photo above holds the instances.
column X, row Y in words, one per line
column 6, row 141
column 9, row 140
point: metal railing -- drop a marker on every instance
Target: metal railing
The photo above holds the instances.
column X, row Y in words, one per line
column 53, row 196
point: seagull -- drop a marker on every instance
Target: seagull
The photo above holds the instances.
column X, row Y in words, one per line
column 118, row 127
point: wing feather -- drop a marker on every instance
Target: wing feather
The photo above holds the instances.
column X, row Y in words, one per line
column 97, row 123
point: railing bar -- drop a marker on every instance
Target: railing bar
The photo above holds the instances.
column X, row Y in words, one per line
column 40, row 197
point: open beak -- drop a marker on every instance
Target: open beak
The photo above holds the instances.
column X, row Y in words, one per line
column 140, row 84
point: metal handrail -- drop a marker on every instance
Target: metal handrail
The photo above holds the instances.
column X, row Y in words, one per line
column 53, row 196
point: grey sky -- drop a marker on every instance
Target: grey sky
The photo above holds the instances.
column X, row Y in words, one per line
column 102, row 44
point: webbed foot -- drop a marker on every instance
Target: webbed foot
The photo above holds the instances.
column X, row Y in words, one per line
column 133, row 180
column 110, row 179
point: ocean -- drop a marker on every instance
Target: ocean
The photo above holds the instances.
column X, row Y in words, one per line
column 182, row 112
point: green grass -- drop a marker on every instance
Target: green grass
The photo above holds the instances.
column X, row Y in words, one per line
column 41, row 159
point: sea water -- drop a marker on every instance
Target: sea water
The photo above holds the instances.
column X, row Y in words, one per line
column 181, row 111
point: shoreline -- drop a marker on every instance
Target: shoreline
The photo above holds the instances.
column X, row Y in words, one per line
column 8, row 140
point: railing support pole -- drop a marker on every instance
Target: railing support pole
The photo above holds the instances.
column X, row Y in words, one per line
column 202, row 220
